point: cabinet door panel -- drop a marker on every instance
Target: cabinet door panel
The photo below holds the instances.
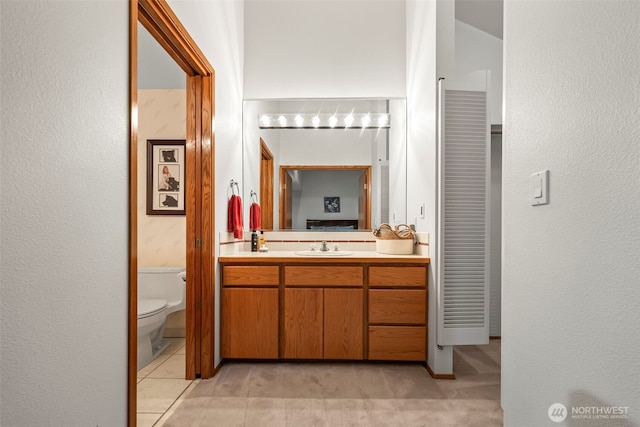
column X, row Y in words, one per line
column 406, row 306
column 250, row 323
column 343, row 323
column 303, row 323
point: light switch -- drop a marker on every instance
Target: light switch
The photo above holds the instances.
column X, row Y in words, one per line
column 540, row 188
column 537, row 186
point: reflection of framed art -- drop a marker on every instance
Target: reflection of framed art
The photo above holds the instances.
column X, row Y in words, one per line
column 332, row 204
column 165, row 176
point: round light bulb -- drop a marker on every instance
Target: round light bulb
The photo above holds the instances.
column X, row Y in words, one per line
column 265, row 120
column 333, row 120
column 299, row 120
column 348, row 121
column 315, row 121
column 282, row 120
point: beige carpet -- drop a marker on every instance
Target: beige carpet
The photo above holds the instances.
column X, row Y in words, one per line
column 348, row 394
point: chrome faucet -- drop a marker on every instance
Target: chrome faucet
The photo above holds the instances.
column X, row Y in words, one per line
column 324, row 247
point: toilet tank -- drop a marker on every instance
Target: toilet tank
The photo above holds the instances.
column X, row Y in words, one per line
column 167, row 283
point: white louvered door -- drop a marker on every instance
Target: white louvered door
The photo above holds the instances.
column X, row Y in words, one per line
column 463, row 213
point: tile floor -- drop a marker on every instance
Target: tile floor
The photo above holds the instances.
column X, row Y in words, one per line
column 161, row 385
column 323, row 394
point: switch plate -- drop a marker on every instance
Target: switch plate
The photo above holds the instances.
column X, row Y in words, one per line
column 539, row 188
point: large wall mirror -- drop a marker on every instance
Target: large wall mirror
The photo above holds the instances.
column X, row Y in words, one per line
column 325, row 164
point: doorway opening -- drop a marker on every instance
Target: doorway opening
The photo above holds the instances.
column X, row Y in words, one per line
column 159, row 20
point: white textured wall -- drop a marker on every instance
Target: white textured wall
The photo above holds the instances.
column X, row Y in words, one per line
column 571, row 297
column 218, row 29
column 64, row 266
column 324, row 49
column 430, row 34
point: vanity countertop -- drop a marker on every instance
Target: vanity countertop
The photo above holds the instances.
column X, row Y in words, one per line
column 292, row 257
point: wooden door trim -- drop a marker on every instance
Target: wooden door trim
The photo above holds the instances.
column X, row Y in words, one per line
column 132, row 336
column 192, row 198
column 282, row 195
column 207, row 226
column 158, row 18
column 266, row 185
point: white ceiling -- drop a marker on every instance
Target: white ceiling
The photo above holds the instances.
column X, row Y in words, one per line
column 156, row 70
column 486, row 15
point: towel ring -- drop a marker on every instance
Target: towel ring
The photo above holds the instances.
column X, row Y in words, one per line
column 233, row 182
column 253, row 193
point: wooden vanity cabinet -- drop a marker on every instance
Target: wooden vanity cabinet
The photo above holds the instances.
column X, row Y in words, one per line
column 332, row 310
column 250, row 308
column 397, row 313
column 323, row 312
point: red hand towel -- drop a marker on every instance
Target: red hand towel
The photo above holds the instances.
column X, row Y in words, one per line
column 234, row 216
column 255, row 218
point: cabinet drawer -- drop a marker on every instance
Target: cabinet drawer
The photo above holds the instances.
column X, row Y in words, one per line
column 406, row 306
column 323, row 276
column 397, row 276
column 397, row 342
column 245, row 275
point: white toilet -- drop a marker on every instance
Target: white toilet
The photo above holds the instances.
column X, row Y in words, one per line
column 161, row 291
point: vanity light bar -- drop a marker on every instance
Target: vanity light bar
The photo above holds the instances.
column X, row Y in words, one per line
column 324, row 121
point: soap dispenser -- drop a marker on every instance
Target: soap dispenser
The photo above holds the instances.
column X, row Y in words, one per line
column 254, row 241
column 262, row 243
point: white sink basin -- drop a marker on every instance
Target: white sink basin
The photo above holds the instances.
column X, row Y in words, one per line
column 324, row 253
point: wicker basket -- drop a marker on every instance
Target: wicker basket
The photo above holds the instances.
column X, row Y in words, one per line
column 386, row 232
column 398, row 241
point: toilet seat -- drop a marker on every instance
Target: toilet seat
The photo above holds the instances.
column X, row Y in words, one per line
column 150, row 307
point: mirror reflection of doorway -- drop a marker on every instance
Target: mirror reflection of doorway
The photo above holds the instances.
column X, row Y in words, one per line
column 266, row 186
column 303, row 190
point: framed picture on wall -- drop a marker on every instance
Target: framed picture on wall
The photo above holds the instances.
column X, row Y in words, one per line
column 165, row 176
column 332, row 204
